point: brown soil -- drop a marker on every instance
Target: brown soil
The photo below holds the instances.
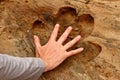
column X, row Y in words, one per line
column 97, row 21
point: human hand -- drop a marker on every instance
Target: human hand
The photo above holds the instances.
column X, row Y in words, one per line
column 54, row 52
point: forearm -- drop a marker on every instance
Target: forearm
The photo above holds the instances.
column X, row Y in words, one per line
column 16, row 68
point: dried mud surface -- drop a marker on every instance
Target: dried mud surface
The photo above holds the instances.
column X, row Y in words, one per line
column 97, row 21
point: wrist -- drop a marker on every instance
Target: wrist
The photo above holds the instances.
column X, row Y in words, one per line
column 46, row 67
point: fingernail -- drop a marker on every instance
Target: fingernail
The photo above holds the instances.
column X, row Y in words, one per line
column 79, row 36
column 81, row 49
column 70, row 27
column 57, row 25
column 35, row 36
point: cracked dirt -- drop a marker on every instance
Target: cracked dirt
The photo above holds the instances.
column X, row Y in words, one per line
column 97, row 21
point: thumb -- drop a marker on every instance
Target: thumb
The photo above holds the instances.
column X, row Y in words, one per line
column 37, row 43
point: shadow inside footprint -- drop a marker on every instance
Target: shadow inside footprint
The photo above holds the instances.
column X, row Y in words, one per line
column 91, row 51
column 40, row 29
column 86, row 24
column 65, row 15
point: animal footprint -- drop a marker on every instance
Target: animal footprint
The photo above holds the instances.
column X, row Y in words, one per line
column 82, row 25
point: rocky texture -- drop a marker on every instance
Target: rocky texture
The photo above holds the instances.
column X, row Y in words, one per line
column 97, row 21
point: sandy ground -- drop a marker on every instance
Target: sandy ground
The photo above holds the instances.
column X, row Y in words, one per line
column 97, row 21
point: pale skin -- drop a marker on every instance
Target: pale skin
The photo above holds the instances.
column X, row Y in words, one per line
column 53, row 53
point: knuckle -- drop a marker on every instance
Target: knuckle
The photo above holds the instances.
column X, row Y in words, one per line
column 76, row 39
column 64, row 36
column 72, row 52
